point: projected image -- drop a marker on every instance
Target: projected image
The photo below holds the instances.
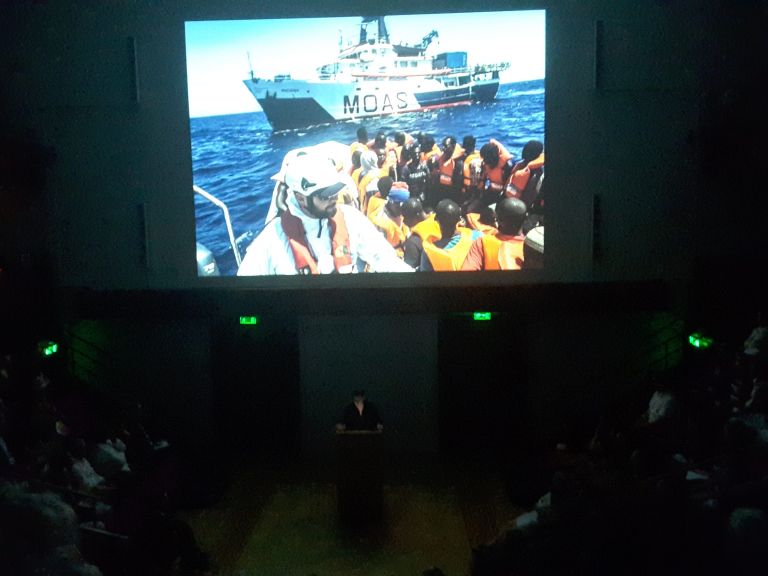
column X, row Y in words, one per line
column 389, row 144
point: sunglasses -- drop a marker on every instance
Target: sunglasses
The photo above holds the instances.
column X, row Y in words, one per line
column 329, row 193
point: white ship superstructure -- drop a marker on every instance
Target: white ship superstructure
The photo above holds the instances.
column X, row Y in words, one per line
column 374, row 78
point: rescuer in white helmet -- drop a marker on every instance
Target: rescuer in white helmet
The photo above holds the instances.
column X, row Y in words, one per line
column 315, row 234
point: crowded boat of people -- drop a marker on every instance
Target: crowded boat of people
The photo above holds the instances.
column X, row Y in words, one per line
column 403, row 203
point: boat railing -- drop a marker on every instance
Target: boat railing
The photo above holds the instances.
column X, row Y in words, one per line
column 223, row 207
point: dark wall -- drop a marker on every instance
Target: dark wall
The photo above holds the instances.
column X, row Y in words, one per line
column 393, row 358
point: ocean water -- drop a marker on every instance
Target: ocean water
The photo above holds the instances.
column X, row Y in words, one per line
column 234, row 156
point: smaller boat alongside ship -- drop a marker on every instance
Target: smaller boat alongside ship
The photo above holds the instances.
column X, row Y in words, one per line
column 375, row 77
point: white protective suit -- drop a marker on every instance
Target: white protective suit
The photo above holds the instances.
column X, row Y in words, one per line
column 270, row 253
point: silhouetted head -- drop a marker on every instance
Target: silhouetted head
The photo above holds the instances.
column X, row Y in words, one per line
column 362, row 135
column 490, row 154
column 449, row 145
column 487, row 216
column 447, row 214
column 384, row 185
column 411, row 152
column 380, row 141
column 510, row 213
column 468, row 143
column 427, row 144
column 532, row 150
column 413, row 212
column 400, row 138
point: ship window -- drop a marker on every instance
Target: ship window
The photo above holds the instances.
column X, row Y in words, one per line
column 373, row 51
column 413, row 63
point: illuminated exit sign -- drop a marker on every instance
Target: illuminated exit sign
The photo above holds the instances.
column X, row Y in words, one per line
column 249, row 320
column 481, row 316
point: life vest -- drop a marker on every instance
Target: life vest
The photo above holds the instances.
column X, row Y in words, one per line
column 447, row 167
column 473, row 220
column 450, row 260
column 521, row 175
column 503, row 254
column 395, row 234
column 356, row 176
column 302, row 255
column 426, row 228
column 495, row 175
column 355, row 146
column 417, row 179
column 473, row 171
column 362, row 186
column 375, row 204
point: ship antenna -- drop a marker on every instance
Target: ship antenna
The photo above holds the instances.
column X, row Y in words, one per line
column 249, row 64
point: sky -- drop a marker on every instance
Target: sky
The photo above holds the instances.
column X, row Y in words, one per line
column 218, row 52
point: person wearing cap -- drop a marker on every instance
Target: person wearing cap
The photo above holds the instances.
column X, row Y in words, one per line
column 315, row 234
column 448, row 251
column 503, row 250
column 533, row 249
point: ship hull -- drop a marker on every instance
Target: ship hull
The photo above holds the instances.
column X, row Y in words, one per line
column 295, row 104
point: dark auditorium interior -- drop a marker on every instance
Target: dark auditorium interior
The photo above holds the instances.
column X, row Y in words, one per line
column 610, row 417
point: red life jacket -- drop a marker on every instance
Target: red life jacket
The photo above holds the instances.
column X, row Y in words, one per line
column 473, row 171
column 521, row 175
column 443, row 260
column 496, row 175
column 302, row 255
column 446, row 167
column 503, row 254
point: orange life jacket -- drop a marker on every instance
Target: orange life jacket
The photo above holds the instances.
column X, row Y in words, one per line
column 446, row 167
column 375, row 203
column 443, row 260
column 473, row 220
column 521, row 174
column 502, row 254
column 427, row 228
column 355, row 146
column 363, row 185
column 496, row 175
column 473, row 171
column 302, row 255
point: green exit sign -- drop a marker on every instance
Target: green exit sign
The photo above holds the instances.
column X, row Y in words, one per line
column 481, row 316
column 697, row 340
column 249, row 320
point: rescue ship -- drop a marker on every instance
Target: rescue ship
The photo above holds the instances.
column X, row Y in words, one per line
column 375, row 77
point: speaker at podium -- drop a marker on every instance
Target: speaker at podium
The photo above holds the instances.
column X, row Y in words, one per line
column 358, row 476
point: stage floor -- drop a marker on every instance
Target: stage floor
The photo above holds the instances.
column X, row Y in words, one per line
column 284, row 523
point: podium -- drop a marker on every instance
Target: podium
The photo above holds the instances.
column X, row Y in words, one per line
column 358, row 476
